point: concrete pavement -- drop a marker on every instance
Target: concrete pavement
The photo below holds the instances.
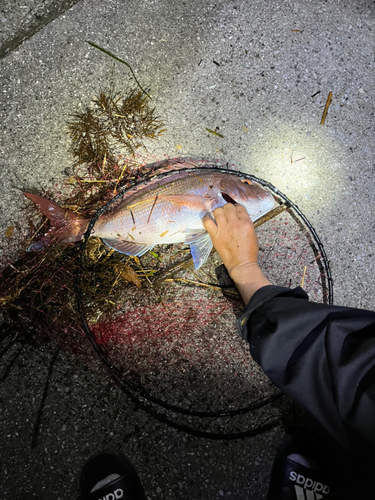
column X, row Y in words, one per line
column 261, row 72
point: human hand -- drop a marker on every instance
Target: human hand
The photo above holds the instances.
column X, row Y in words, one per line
column 233, row 236
column 236, row 242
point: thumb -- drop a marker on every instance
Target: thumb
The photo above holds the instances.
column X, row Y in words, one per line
column 210, row 225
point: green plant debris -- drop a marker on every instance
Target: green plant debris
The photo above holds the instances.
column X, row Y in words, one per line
column 154, row 254
column 214, row 133
column 121, row 61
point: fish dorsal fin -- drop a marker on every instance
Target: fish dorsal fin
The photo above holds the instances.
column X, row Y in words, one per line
column 178, row 164
column 187, row 163
column 152, row 183
column 165, row 167
column 200, row 246
column 184, row 163
column 172, row 164
column 128, row 247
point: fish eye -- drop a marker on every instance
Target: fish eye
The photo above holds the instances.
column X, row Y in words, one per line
column 228, row 199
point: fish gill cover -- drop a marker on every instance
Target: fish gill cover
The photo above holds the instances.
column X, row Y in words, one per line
column 166, row 330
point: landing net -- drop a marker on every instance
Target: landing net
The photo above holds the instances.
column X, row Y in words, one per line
column 173, row 344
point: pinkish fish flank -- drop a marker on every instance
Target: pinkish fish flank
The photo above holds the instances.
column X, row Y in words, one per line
column 165, row 211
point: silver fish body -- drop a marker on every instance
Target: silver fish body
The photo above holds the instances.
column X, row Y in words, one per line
column 164, row 211
column 171, row 210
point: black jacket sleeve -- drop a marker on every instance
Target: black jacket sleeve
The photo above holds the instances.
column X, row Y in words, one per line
column 322, row 356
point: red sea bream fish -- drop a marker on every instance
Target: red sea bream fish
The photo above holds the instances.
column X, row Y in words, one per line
column 168, row 210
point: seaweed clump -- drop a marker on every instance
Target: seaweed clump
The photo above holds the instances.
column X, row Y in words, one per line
column 114, row 121
column 37, row 292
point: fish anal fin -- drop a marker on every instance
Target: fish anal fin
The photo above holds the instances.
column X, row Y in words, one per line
column 127, row 247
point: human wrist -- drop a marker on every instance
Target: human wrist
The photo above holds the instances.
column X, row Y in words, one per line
column 244, row 272
column 248, row 277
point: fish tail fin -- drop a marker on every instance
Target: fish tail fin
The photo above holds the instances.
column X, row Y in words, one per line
column 66, row 227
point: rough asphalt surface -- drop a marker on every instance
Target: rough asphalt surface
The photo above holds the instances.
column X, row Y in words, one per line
column 261, row 72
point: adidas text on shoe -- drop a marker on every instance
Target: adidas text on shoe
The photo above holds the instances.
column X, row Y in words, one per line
column 113, row 496
column 308, row 484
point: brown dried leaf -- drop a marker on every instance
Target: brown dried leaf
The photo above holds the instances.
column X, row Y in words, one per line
column 9, row 232
column 127, row 273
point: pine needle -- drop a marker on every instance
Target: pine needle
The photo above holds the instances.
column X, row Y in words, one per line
column 326, row 109
column 214, row 133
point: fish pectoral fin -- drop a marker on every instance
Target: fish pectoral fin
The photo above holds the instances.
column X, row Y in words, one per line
column 189, row 200
column 193, row 235
column 200, row 246
column 128, row 247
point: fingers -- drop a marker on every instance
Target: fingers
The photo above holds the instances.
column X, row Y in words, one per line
column 242, row 212
column 229, row 213
column 235, row 212
column 220, row 215
column 210, row 225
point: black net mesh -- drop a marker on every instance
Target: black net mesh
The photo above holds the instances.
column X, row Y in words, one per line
column 173, row 344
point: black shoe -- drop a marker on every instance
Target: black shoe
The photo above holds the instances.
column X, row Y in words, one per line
column 110, row 475
column 300, row 471
column 292, row 481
